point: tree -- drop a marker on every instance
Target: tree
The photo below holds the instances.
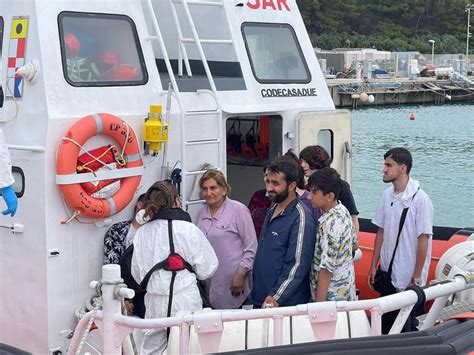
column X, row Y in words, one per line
column 386, row 24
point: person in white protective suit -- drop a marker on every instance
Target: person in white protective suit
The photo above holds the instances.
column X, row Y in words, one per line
column 6, row 178
column 153, row 246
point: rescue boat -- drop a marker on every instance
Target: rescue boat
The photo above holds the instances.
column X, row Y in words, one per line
column 104, row 98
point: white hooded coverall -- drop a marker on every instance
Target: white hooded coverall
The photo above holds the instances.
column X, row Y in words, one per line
column 151, row 246
column 6, row 177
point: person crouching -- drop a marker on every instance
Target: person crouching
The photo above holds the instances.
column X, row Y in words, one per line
column 167, row 240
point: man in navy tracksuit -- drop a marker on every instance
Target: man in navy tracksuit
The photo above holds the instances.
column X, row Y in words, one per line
column 286, row 249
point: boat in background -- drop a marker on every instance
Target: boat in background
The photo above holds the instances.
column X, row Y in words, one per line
column 444, row 238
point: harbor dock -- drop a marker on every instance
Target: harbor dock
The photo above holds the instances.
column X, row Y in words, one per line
column 397, row 91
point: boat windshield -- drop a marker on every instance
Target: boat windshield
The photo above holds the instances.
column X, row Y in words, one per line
column 275, row 54
column 100, row 50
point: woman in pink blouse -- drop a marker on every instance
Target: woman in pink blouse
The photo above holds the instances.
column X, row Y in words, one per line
column 228, row 226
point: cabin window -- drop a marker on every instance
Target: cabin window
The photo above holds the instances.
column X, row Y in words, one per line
column 326, row 140
column 275, row 54
column 100, row 50
column 19, row 184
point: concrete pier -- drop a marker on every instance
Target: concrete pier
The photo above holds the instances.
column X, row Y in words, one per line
column 398, row 91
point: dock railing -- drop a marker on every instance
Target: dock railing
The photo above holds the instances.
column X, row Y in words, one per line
column 209, row 326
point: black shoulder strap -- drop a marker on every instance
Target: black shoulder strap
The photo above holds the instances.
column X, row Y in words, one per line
column 173, row 275
column 170, row 236
column 144, row 283
column 400, row 227
column 161, row 264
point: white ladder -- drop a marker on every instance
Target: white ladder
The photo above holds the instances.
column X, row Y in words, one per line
column 188, row 144
column 182, row 53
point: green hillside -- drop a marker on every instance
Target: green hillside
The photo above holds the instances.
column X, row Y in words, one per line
column 402, row 25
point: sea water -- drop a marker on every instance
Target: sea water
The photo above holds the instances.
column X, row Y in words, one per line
column 440, row 139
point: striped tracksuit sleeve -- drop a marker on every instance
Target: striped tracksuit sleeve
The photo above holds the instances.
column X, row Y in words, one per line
column 297, row 263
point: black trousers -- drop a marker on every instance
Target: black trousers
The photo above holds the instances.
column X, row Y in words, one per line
column 389, row 318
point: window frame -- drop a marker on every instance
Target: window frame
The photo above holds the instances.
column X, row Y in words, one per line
column 141, row 58
column 298, row 47
column 331, row 140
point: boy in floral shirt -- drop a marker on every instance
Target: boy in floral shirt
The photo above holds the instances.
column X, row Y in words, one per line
column 332, row 275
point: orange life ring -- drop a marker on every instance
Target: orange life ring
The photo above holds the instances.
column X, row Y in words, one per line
column 87, row 127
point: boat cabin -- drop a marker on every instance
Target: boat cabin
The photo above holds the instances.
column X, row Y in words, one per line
column 238, row 83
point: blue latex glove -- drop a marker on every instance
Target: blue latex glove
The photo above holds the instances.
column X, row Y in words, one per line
column 10, row 199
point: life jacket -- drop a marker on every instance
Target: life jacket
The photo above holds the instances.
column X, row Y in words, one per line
column 174, row 263
column 234, row 140
column 249, row 145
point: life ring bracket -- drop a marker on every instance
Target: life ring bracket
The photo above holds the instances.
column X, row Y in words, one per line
column 98, row 176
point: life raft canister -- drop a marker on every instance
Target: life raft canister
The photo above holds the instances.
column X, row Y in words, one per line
column 74, row 194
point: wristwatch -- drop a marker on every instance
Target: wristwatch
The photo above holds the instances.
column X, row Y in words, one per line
column 417, row 282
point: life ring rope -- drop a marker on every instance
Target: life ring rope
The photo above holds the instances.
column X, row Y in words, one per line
column 94, row 158
column 70, row 146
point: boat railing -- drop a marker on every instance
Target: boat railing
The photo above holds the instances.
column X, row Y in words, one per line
column 209, row 326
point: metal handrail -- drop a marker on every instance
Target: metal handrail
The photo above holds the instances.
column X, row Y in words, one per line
column 321, row 315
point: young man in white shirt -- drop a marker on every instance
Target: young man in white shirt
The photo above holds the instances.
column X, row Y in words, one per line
column 413, row 253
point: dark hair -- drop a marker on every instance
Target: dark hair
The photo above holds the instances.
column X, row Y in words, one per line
column 316, row 156
column 401, row 156
column 161, row 195
column 292, row 158
column 327, row 180
column 141, row 199
column 287, row 168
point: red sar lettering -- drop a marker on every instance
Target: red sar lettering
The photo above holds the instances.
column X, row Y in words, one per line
column 264, row 4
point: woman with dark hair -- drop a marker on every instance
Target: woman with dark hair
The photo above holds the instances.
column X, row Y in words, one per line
column 229, row 228
column 315, row 157
column 168, row 235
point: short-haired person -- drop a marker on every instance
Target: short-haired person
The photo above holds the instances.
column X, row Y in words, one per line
column 315, row 157
column 259, row 203
column 332, row 275
column 165, row 225
column 284, row 254
column 228, row 226
column 413, row 253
